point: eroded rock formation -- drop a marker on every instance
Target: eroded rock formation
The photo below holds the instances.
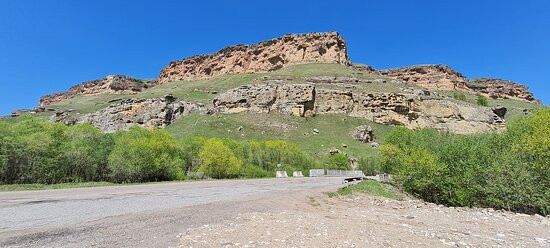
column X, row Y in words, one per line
column 442, row 77
column 436, row 77
column 113, row 84
column 262, row 57
column 498, row 88
column 147, row 113
column 409, row 110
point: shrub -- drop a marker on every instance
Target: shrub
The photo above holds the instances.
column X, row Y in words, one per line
column 251, row 171
column 268, row 154
column 370, row 165
column 459, row 96
column 217, row 160
column 140, row 155
column 337, row 161
column 482, row 100
column 508, row 170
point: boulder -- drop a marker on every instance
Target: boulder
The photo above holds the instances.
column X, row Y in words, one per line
column 363, row 133
column 500, row 111
column 333, row 151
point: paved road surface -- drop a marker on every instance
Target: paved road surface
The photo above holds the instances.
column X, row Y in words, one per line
column 149, row 215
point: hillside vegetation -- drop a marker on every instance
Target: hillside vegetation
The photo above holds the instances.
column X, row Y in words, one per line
column 508, row 170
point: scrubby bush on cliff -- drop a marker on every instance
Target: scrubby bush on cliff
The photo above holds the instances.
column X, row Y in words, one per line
column 459, row 96
column 140, row 155
column 508, row 170
column 482, row 100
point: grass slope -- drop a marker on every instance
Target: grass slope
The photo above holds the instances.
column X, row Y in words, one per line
column 372, row 188
column 334, row 130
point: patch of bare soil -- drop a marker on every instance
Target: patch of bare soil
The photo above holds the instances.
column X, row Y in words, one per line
column 364, row 221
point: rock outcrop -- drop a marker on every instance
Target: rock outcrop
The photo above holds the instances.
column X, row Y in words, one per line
column 409, row 110
column 498, row 88
column 363, row 133
column 262, row 57
column 436, row 77
column 442, row 77
column 293, row 99
column 147, row 113
column 113, row 84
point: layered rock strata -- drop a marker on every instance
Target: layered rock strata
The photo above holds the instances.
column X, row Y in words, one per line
column 409, row 110
column 442, row 77
column 112, row 84
column 147, row 113
column 262, row 57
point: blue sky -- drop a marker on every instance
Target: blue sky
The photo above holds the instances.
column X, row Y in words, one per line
column 48, row 46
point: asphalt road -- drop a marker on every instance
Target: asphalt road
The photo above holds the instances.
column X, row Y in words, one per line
column 148, row 215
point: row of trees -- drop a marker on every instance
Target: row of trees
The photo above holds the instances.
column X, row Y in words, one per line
column 35, row 151
column 508, row 170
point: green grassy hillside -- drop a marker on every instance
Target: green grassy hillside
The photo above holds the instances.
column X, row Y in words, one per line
column 334, row 129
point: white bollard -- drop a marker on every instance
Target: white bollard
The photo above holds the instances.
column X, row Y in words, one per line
column 297, row 174
column 281, row 174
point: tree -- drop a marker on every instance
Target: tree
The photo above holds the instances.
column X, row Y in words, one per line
column 338, row 161
column 217, row 160
column 140, row 155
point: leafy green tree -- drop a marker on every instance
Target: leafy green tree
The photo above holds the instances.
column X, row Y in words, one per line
column 421, row 174
column 140, row 155
column 337, row 161
column 217, row 160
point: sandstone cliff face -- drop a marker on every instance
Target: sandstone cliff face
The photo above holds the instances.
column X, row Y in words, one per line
column 147, row 113
column 409, row 110
column 436, row 77
column 113, row 84
column 442, row 77
column 262, row 57
column 498, row 88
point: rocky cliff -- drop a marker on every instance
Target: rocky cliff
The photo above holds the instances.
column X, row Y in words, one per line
column 435, row 77
column 442, row 77
column 113, row 84
column 406, row 109
column 498, row 88
column 262, row 57
column 147, row 113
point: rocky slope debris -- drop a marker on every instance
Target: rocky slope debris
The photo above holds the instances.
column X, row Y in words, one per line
column 262, row 57
column 361, row 220
column 112, row 84
column 147, row 113
column 406, row 109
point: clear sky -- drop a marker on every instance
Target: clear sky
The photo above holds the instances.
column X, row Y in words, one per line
column 47, row 46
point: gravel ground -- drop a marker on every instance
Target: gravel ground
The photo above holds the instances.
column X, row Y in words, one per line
column 364, row 221
column 149, row 215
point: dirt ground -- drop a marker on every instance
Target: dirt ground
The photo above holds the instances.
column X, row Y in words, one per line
column 364, row 221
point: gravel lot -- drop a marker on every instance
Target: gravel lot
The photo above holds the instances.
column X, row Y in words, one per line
column 290, row 212
column 363, row 221
column 149, row 215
